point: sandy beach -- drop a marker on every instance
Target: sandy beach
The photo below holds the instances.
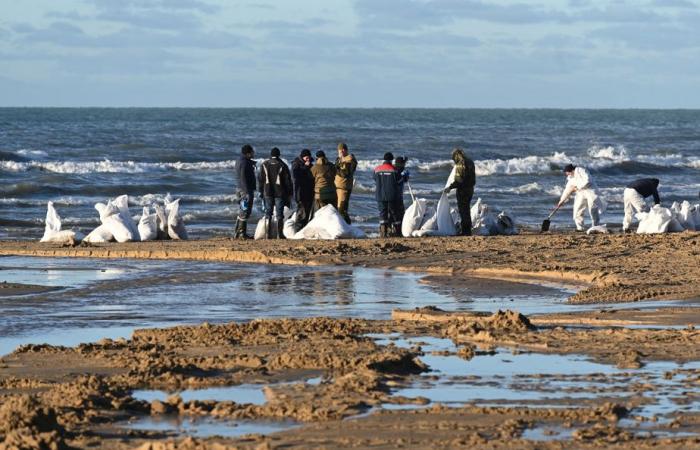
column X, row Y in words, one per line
column 361, row 383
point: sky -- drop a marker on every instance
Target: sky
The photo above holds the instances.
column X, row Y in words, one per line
column 351, row 53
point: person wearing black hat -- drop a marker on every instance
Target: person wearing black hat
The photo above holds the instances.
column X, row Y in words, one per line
column 303, row 188
column 464, row 181
column 245, row 171
column 324, row 177
column 386, row 179
column 579, row 181
column 276, row 188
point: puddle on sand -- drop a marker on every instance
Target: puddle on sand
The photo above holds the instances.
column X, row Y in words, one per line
column 137, row 294
column 245, row 393
column 507, row 379
column 206, row 427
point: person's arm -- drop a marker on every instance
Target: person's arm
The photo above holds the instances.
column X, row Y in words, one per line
column 657, row 199
column 261, row 179
column 459, row 179
column 568, row 190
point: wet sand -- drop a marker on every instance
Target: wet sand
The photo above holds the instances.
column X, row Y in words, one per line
column 613, row 268
column 84, row 396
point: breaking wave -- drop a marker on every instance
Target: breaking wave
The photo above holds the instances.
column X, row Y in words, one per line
column 107, row 166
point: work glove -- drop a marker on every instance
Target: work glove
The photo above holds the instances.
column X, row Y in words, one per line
column 446, row 191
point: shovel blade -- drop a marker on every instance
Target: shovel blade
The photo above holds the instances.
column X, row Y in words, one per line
column 545, row 225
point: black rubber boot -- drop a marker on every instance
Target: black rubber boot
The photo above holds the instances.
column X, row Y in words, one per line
column 280, row 230
column 270, row 230
column 241, row 228
column 396, row 230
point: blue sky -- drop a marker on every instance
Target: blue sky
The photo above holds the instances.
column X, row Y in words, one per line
column 351, row 53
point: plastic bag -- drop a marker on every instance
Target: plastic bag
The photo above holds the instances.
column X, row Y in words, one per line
column 657, row 220
column 148, row 225
column 414, row 215
column 176, row 226
column 52, row 229
column 445, row 225
column 99, row 235
column 329, row 224
column 122, row 204
column 161, row 223
column 598, row 229
column 686, row 217
column 114, row 222
column 289, row 226
column 261, row 228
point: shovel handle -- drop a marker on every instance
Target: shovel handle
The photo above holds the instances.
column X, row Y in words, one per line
column 553, row 211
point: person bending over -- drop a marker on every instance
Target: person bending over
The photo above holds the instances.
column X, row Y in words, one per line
column 465, row 179
column 579, row 181
column 633, row 198
column 275, row 184
column 245, row 172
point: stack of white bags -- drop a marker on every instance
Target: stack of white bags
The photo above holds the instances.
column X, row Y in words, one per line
column 118, row 225
column 327, row 223
column 679, row 217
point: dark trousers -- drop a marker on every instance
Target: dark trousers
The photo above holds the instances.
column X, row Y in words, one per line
column 245, row 205
column 320, row 202
column 305, row 208
column 399, row 210
column 465, row 216
column 278, row 205
column 387, row 212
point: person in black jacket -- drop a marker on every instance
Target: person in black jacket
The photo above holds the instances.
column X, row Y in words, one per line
column 633, row 198
column 404, row 175
column 465, row 179
column 245, row 171
column 275, row 185
column 387, row 180
column 303, row 188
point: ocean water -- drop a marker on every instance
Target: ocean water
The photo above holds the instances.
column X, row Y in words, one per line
column 77, row 157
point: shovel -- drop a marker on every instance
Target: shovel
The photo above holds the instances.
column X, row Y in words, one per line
column 547, row 221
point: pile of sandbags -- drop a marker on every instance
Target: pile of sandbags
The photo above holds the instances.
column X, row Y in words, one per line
column 487, row 223
column 679, row 217
column 53, row 233
column 327, row 223
column 118, row 225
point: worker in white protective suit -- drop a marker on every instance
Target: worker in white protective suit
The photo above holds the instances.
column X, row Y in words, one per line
column 579, row 182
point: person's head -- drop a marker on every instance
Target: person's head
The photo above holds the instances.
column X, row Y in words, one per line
column 388, row 157
column 248, row 151
column 320, row 154
column 400, row 162
column 569, row 170
column 275, row 152
column 342, row 149
column 458, row 155
column 305, row 155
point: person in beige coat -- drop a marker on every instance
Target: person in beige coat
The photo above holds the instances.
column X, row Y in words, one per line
column 345, row 166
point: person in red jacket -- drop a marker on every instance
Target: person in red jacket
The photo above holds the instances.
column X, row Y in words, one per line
column 387, row 181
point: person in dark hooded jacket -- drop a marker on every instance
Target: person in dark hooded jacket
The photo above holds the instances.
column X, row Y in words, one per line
column 275, row 184
column 303, row 188
column 465, row 179
column 245, row 171
column 387, row 181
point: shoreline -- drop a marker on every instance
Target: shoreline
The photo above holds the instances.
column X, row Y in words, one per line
column 606, row 268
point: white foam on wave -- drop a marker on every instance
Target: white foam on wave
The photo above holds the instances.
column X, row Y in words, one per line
column 108, row 166
column 29, row 152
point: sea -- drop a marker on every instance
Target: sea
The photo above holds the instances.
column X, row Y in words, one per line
column 77, row 157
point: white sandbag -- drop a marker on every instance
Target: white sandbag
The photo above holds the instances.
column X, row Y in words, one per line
column 261, row 228
column 329, row 224
column 598, row 229
column 657, row 220
column 119, row 229
column 451, row 178
column 506, row 225
column 413, row 217
column 289, row 226
column 445, row 225
column 106, row 210
column 99, row 235
column 686, row 217
column 176, row 226
column 52, row 229
column 475, row 211
column 695, row 210
column 122, row 203
column 148, row 225
column 161, row 222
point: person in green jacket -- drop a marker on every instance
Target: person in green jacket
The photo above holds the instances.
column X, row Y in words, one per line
column 324, row 174
column 345, row 167
column 465, row 179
